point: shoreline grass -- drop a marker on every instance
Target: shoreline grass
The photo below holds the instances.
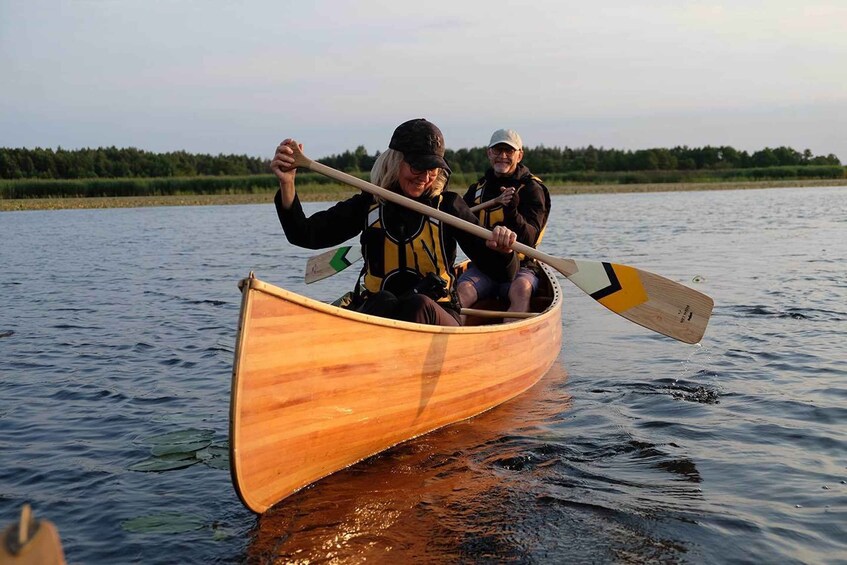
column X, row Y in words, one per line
column 334, row 193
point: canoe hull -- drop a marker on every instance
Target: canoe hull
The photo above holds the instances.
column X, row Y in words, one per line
column 317, row 388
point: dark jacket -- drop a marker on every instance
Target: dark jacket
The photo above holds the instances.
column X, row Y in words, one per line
column 527, row 213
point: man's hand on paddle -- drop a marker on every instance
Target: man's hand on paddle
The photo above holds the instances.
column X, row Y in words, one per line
column 502, row 239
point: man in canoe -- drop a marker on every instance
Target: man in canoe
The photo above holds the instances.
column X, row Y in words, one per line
column 408, row 272
column 521, row 203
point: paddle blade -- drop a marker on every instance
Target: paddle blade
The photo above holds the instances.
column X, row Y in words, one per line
column 650, row 300
column 331, row 262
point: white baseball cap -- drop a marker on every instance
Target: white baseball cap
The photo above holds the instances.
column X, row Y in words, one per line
column 508, row 136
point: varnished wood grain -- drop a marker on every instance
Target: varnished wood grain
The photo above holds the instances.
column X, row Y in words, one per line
column 316, row 388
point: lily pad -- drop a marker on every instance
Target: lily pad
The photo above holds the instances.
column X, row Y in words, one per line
column 170, row 523
column 165, row 462
column 191, row 434
column 214, row 456
column 184, row 441
column 176, row 449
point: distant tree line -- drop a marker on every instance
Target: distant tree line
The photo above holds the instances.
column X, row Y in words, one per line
column 112, row 163
column 546, row 160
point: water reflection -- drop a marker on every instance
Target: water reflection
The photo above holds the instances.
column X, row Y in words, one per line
column 118, row 327
column 404, row 501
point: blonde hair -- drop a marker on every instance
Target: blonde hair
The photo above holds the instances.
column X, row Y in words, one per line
column 386, row 172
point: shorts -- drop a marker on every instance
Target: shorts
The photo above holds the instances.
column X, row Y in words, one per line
column 486, row 287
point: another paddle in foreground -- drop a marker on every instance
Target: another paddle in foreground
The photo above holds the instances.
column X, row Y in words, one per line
column 31, row 542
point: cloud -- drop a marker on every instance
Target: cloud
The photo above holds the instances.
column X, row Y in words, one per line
column 215, row 76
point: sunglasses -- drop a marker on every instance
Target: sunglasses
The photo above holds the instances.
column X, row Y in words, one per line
column 507, row 151
column 416, row 171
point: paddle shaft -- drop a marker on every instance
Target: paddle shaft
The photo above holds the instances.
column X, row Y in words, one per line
column 486, row 204
column 496, row 313
column 565, row 266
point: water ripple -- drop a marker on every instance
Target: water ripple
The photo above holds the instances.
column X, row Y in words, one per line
column 648, row 451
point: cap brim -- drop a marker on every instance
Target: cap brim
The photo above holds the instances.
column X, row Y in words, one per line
column 426, row 162
column 505, row 142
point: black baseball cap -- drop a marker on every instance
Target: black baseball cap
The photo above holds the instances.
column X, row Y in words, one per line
column 421, row 143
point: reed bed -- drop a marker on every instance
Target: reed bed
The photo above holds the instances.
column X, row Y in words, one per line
column 328, row 192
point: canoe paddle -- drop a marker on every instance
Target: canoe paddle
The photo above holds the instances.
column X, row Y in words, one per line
column 328, row 263
column 486, row 204
column 647, row 299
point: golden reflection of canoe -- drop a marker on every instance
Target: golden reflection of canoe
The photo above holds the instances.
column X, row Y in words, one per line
column 317, row 388
column 426, row 499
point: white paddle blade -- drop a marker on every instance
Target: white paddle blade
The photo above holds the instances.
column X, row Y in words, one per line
column 331, row 262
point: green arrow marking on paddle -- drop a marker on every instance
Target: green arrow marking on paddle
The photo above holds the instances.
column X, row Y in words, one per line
column 331, row 262
column 339, row 261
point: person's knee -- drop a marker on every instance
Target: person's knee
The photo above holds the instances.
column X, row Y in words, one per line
column 467, row 293
column 424, row 310
column 412, row 306
column 521, row 288
column 417, row 301
column 383, row 303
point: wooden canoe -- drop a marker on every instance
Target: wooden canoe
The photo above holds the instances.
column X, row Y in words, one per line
column 316, row 388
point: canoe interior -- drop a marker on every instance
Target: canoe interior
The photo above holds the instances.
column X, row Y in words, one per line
column 316, row 388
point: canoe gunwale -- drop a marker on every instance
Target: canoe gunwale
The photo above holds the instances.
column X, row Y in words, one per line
column 252, row 283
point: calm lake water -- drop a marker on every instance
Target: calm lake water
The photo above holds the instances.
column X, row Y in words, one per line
column 118, row 330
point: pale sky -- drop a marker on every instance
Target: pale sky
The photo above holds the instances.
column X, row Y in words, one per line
column 238, row 76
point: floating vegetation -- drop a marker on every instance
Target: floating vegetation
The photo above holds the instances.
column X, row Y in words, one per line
column 168, row 523
column 214, row 456
column 165, row 462
column 187, row 441
column 178, row 450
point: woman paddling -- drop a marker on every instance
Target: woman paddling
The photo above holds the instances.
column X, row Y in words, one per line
column 409, row 258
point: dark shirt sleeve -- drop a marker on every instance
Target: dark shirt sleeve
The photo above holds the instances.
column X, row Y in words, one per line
column 325, row 228
column 469, row 195
column 528, row 217
column 501, row 267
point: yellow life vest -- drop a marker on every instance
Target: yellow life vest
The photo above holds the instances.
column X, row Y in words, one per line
column 496, row 216
column 398, row 256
